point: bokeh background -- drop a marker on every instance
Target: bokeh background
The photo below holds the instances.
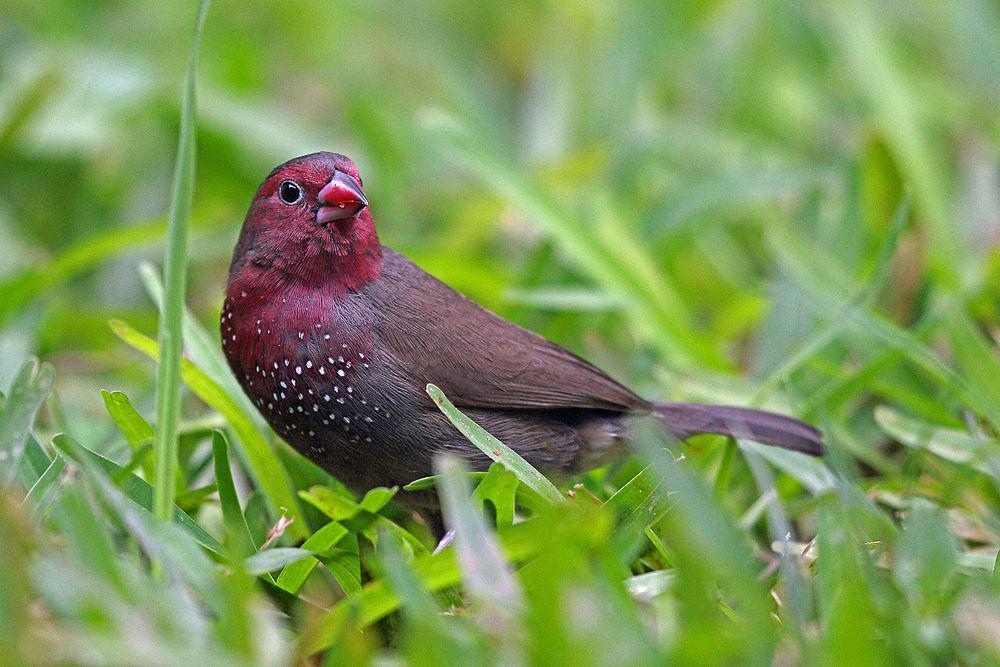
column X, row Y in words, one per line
column 788, row 203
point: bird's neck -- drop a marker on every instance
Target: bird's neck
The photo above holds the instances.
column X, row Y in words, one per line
column 271, row 305
column 343, row 259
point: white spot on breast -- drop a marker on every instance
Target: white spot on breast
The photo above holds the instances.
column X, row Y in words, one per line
column 322, row 370
column 301, row 335
column 326, row 397
column 283, row 385
column 298, row 370
column 309, row 364
column 340, row 372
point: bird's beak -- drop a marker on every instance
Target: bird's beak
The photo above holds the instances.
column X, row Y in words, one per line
column 340, row 198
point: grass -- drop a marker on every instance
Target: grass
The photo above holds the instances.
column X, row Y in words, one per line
column 171, row 343
column 765, row 204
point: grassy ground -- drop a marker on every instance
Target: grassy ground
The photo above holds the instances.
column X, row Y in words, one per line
column 785, row 204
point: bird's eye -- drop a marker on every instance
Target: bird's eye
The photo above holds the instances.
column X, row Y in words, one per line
column 290, row 192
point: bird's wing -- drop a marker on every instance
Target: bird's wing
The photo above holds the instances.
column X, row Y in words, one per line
column 477, row 358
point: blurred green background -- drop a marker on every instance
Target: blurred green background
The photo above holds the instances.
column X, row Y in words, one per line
column 794, row 204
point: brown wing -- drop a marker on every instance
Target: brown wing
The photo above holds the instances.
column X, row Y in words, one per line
column 477, row 358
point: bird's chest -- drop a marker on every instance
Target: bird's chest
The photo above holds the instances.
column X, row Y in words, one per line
column 306, row 362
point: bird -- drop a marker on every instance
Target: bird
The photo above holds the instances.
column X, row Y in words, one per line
column 335, row 337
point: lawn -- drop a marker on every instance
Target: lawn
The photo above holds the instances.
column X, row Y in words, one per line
column 788, row 205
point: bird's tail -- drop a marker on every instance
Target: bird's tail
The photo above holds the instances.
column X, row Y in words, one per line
column 684, row 420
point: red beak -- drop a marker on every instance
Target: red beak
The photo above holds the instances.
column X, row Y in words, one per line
column 340, row 198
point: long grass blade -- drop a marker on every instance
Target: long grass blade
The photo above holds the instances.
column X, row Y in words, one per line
column 495, row 449
column 168, row 378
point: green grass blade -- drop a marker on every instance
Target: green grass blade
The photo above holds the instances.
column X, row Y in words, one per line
column 34, row 462
column 344, row 563
column 650, row 585
column 28, row 392
column 361, row 515
column 486, row 575
column 16, row 594
column 171, row 340
column 137, row 431
column 236, row 524
column 950, row 444
column 265, row 466
column 137, row 490
column 977, row 360
column 809, row 470
column 294, row 575
column 41, row 496
column 272, row 560
column 495, row 449
column 499, row 489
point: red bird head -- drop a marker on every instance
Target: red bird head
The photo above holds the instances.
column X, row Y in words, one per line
column 309, row 223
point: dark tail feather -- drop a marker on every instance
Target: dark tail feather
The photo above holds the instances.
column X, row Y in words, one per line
column 684, row 420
